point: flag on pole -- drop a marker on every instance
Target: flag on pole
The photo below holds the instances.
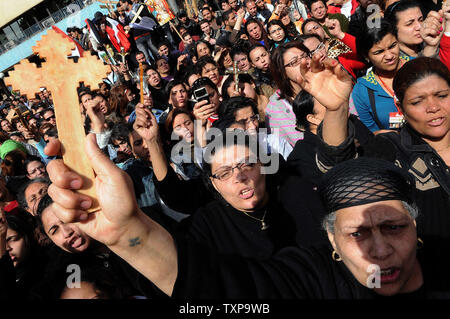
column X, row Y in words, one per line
column 146, row 23
column 78, row 51
column 117, row 35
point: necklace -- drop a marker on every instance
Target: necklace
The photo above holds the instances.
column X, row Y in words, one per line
column 391, row 92
column 264, row 226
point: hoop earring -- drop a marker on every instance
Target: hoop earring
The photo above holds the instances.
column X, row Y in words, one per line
column 334, row 254
column 420, row 243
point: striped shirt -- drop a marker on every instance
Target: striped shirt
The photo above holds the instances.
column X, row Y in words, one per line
column 280, row 119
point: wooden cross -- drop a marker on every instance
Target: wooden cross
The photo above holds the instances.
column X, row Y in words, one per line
column 108, row 4
column 235, row 73
column 136, row 15
column 62, row 76
column 16, row 113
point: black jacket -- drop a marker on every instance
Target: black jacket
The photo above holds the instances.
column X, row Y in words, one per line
column 409, row 151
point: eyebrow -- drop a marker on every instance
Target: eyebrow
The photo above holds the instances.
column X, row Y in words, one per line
column 237, row 162
column 383, row 222
column 51, row 228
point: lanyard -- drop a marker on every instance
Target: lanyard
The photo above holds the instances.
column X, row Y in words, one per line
column 389, row 90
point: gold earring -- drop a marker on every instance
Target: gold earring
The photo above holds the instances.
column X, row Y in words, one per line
column 419, row 243
column 334, row 254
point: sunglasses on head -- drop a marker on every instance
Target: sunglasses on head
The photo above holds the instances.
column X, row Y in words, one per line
column 7, row 162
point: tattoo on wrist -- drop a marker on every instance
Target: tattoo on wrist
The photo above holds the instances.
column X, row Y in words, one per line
column 134, row 241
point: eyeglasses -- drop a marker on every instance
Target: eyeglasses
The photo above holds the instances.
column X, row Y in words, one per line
column 319, row 47
column 296, row 61
column 7, row 162
column 226, row 173
column 247, row 121
column 50, row 117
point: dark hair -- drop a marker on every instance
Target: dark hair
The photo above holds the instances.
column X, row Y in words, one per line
column 302, row 106
column 263, row 33
column 171, row 118
column 163, row 42
column 278, row 23
column 311, row 2
column 139, row 52
column 21, row 192
column 308, row 21
column 13, row 163
column 44, row 203
column 83, row 93
column 118, row 100
column 120, row 131
column 203, row 21
column 278, row 69
column 243, row 78
column 30, row 159
column 372, row 36
column 22, row 223
column 226, row 15
column 188, row 72
column 201, row 82
column 197, row 43
column 105, row 282
column 185, row 34
column 238, row 49
column 233, row 104
column 203, row 61
column 416, row 70
column 173, row 84
column 390, row 14
column 255, row 46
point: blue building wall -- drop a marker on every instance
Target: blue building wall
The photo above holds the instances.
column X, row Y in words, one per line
column 24, row 50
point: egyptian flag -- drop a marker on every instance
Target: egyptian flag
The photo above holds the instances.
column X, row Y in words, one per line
column 78, row 51
column 93, row 31
column 117, row 35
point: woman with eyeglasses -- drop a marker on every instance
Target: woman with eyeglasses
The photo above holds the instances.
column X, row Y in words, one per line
column 208, row 68
column 241, row 208
column 341, row 45
column 35, row 168
column 241, row 112
column 285, row 61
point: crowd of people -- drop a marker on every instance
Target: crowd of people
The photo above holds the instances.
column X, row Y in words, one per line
column 264, row 149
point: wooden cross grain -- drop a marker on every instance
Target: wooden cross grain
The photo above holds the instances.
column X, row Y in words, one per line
column 62, row 76
column 136, row 16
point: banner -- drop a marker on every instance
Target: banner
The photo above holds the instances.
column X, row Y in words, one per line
column 160, row 10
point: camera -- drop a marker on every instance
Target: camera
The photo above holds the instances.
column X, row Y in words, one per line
column 201, row 94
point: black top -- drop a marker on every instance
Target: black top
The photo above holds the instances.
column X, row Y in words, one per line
column 409, row 151
column 303, row 157
column 294, row 273
column 293, row 215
